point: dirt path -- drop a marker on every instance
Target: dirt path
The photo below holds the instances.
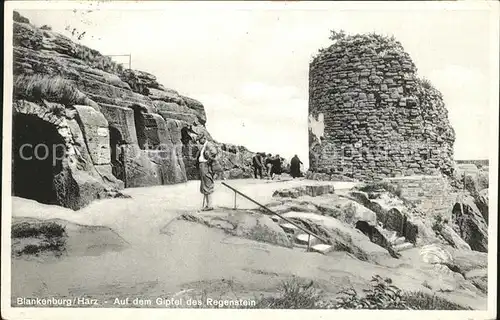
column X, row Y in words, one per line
column 139, row 218
column 189, row 256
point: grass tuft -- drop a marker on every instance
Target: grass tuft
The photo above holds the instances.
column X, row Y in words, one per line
column 294, row 294
column 381, row 295
column 28, row 230
column 49, row 237
column 44, row 87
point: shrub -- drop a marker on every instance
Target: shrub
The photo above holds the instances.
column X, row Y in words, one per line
column 337, row 35
column 294, row 294
column 382, row 295
column 438, row 223
column 426, row 83
column 19, row 18
column 51, row 237
column 40, row 87
column 96, row 60
column 28, row 230
column 419, row 300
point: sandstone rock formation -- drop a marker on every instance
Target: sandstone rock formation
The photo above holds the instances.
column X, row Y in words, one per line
column 310, row 190
column 257, row 227
column 370, row 116
column 57, row 237
column 470, row 224
column 111, row 127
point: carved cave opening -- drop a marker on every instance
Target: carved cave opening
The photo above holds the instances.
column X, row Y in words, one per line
column 37, row 153
column 140, row 127
column 117, row 153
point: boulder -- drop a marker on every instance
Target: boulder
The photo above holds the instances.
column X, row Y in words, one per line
column 435, row 254
column 354, row 212
column 470, row 224
column 482, row 202
column 287, row 205
column 391, row 212
column 426, row 235
column 464, row 261
column 340, row 236
column 453, row 238
column 479, row 278
column 255, row 226
column 471, row 265
column 309, row 190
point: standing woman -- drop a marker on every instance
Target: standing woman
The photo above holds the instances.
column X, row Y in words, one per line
column 205, row 158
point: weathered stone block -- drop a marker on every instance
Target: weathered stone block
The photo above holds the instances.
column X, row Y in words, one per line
column 95, row 129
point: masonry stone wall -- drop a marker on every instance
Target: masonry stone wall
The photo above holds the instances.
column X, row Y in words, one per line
column 370, row 115
column 431, row 194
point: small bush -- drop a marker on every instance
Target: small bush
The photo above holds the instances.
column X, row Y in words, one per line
column 55, row 246
column 97, row 60
column 47, row 230
column 51, row 238
column 426, row 83
column 337, row 35
column 19, row 18
column 422, row 301
column 382, row 295
column 438, row 223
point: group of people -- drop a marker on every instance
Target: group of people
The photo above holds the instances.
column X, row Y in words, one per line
column 272, row 165
column 268, row 164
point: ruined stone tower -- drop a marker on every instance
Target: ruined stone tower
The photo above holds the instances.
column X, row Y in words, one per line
column 371, row 117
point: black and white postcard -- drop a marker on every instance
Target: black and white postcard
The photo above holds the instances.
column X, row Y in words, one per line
column 254, row 159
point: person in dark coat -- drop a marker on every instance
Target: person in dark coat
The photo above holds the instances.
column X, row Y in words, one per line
column 295, row 167
column 269, row 164
column 257, row 163
column 275, row 166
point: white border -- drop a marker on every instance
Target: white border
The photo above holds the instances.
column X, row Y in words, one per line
column 81, row 313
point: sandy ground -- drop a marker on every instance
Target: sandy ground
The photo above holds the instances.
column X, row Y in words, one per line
column 190, row 256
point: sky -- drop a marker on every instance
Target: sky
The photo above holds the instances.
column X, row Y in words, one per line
column 249, row 67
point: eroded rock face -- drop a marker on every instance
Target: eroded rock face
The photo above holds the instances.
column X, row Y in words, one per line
column 453, row 238
column 370, row 116
column 341, row 236
column 470, row 265
column 253, row 226
column 470, row 224
column 312, row 191
column 482, row 202
column 391, row 213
